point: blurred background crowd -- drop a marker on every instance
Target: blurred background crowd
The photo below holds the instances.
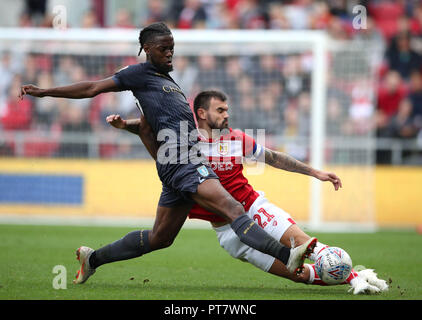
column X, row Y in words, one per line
column 269, row 91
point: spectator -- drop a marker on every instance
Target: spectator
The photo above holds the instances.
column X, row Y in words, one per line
column 339, row 8
column 123, row 19
column 295, row 80
column 320, row 16
column 234, row 71
column 361, row 109
column 390, row 95
column 78, row 74
column 336, row 118
column 298, row 14
column 403, row 59
column 25, row 21
column 291, row 130
column 6, row 76
column 276, row 90
column 270, row 115
column 36, row 10
column 210, row 74
column 391, row 92
column 277, row 17
column 387, row 14
column 401, row 124
column 416, row 20
column 250, row 15
column 74, row 121
column 337, row 29
column 304, row 108
column 90, row 20
column 371, row 33
column 245, row 114
column 29, row 74
column 18, row 113
column 184, row 73
column 62, row 74
column 192, row 16
column 155, row 12
column 219, row 16
column 266, row 71
column 46, row 109
column 45, row 126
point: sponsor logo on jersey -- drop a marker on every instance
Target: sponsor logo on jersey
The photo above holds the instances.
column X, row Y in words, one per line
column 171, row 89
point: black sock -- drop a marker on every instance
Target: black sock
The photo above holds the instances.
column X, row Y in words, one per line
column 132, row 245
column 254, row 236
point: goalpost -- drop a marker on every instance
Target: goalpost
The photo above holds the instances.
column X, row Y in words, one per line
column 322, row 115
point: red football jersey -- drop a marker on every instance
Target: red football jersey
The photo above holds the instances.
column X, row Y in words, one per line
column 225, row 156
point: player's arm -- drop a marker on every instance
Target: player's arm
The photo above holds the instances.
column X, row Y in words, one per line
column 140, row 127
column 79, row 90
column 286, row 162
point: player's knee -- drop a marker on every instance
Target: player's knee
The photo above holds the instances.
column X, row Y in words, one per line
column 234, row 210
column 160, row 242
column 294, row 231
column 166, row 243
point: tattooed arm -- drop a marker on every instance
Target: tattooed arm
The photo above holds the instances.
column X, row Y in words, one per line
column 285, row 162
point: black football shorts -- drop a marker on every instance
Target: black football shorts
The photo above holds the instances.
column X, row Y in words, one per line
column 180, row 181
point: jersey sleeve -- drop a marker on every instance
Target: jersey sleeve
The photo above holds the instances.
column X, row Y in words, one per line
column 251, row 149
column 129, row 77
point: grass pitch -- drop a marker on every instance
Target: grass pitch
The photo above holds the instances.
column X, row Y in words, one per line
column 193, row 268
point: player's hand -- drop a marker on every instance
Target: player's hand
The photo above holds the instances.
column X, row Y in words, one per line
column 31, row 90
column 329, row 176
column 116, row 121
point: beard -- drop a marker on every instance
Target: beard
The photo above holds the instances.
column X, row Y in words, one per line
column 223, row 125
column 162, row 67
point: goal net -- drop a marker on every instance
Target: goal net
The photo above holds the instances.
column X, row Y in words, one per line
column 313, row 96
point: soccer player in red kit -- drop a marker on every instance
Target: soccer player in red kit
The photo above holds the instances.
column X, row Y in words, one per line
column 225, row 149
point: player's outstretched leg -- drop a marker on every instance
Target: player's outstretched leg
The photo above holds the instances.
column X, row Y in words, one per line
column 361, row 282
column 85, row 271
column 213, row 197
column 134, row 244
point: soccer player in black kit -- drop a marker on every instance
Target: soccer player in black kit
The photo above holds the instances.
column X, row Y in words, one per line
column 184, row 181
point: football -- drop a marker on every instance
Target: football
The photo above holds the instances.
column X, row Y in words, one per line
column 333, row 265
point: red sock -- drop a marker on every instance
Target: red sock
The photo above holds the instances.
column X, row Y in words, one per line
column 316, row 280
column 353, row 274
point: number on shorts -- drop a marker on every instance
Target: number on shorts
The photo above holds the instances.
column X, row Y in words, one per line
column 258, row 220
column 265, row 213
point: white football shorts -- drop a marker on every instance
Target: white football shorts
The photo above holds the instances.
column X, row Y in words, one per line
column 271, row 218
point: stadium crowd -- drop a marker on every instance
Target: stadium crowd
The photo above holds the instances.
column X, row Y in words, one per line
column 271, row 92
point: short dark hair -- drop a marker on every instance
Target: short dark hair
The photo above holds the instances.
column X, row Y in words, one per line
column 202, row 100
column 151, row 31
